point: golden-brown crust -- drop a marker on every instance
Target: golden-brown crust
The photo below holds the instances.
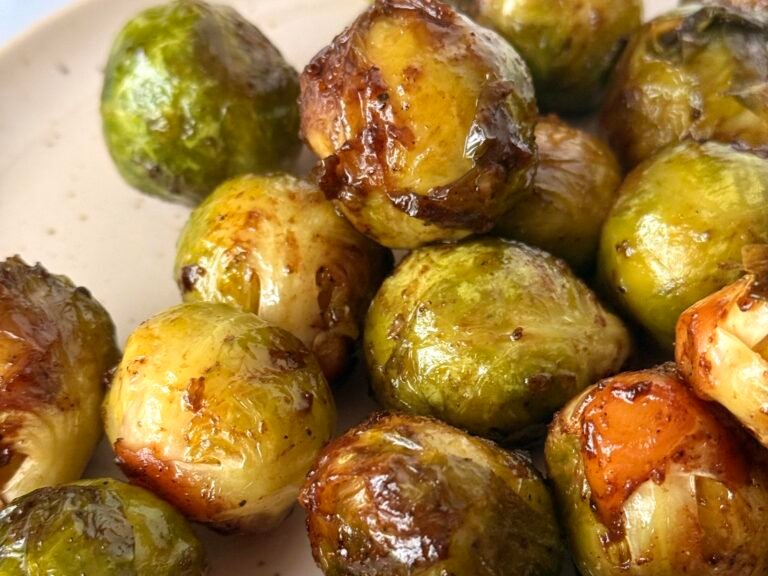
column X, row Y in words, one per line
column 145, row 469
column 380, row 473
column 352, row 169
column 637, row 426
column 45, row 324
column 695, row 334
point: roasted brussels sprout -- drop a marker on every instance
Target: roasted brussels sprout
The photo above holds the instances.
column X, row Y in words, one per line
column 490, row 336
column 740, row 4
column 676, row 232
column 569, row 45
column 274, row 245
column 220, row 413
column 651, row 482
column 404, row 495
column 56, row 345
column 96, row 527
column 722, row 349
column 574, row 189
column 695, row 73
column 424, row 122
column 194, row 94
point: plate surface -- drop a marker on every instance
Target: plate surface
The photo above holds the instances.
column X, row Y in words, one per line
column 62, row 202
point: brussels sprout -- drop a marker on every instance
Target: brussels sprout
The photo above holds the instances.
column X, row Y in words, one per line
column 739, row 4
column 220, row 413
column 569, row 45
column 424, row 122
column 405, row 495
column 676, row 232
column 574, row 189
column 650, row 481
column 490, row 336
column 274, row 245
column 96, row 527
column 56, row 345
column 694, row 73
column 722, row 349
column 195, row 94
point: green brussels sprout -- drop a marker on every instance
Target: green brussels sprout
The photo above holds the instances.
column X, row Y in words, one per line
column 694, row 73
column 405, row 495
column 273, row 245
column 676, row 232
column 572, row 194
column 569, row 45
column 194, row 94
column 56, row 345
column 651, row 481
column 722, row 350
column 739, row 4
column 219, row 413
column 490, row 336
column 96, row 527
column 424, row 123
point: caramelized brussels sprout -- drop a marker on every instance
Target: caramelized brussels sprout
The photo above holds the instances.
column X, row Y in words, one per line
column 424, row 122
column 676, row 232
column 194, row 94
column 490, row 336
column 569, row 45
column 274, row 245
column 695, row 73
column 651, row 482
column 219, row 413
column 404, row 495
column 96, row 527
column 56, row 345
column 574, row 189
column 721, row 349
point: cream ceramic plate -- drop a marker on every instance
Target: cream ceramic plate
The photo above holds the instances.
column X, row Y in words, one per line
column 62, row 202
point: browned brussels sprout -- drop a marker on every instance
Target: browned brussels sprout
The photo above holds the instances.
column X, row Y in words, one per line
column 56, row 345
column 574, row 189
column 490, row 336
column 569, row 45
column 220, row 413
column 195, row 94
column 274, row 245
column 424, row 123
column 652, row 481
column 722, row 349
column 94, row 528
column 696, row 73
column 409, row 496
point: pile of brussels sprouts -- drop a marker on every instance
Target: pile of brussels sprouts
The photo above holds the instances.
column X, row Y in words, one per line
column 486, row 339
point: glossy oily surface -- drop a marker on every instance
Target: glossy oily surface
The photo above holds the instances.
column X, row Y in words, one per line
column 194, row 94
column 274, row 245
column 575, row 186
column 96, row 527
column 678, row 228
column 489, row 335
column 571, row 56
column 410, row 496
column 56, row 345
column 64, row 203
column 651, row 481
column 220, row 413
column 721, row 349
column 697, row 73
column 423, row 122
